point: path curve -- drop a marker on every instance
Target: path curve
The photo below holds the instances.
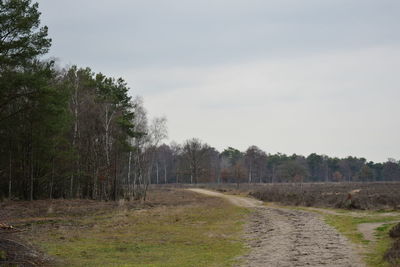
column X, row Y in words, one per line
column 245, row 202
column 368, row 230
column 285, row 237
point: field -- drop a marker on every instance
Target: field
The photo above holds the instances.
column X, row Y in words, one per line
column 174, row 228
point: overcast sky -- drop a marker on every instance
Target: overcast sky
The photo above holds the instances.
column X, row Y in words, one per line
column 291, row 76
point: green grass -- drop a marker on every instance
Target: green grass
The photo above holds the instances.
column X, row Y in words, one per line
column 202, row 235
column 373, row 251
column 375, row 258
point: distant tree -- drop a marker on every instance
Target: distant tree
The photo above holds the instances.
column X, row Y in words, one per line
column 194, row 152
column 255, row 160
column 212, row 165
column 376, row 169
column 273, row 161
column 292, row 171
column 315, row 164
column 229, row 159
column 159, row 131
column 232, row 154
column 239, row 172
column 366, row 174
column 165, row 160
column 332, row 165
column 337, row 176
column 391, row 170
column 177, row 161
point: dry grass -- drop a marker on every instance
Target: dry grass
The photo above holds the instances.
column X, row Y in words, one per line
column 174, row 228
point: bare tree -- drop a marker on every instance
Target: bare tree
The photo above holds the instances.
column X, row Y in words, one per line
column 193, row 150
column 159, row 132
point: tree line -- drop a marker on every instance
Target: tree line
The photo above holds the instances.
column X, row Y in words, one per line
column 66, row 132
column 196, row 162
column 74, row 133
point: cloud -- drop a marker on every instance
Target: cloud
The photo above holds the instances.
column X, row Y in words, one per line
column 156, row 33
column 330, row 103
column 286, row 75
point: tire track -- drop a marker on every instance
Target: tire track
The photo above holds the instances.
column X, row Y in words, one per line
column 284, row 237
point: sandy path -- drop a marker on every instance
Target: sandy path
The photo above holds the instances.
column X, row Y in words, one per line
column 238, row 201
column 369, row 229
column 284, row 237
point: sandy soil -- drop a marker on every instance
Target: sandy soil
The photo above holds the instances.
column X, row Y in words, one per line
column 368, row 229
column 284, row 237
column 245, row 202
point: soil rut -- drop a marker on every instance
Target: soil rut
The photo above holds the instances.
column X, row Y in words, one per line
column 283, row 237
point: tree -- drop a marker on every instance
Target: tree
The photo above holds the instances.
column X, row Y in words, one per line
column 21, row 37
column 273, row 162
column 391, row 170
column 21, row 42
column 212, row 171
column 194, row 151
column 239, row 171
column 366, row 174
column 255, row 161
column 159, row 132
column 165, row 160
column 292, row 171
column 32, row 107
column 337, row 176
column 232, row 165
column 315, row 164
column 232, row 154
column 139, row 185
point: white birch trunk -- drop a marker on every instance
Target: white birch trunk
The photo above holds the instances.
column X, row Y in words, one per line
column 157, row 172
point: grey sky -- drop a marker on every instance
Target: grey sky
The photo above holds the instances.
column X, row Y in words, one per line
column 294, row 76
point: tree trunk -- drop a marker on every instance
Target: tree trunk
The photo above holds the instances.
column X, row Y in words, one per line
column 75, row 132
column 115, row 177
column 165, row 173
column 250, row 175
column 71, row 184
column 52, row 179
column 273, row 174
column 31, row 177
column 157, row 172
column 10, row 176
column 129, row 173
column 31, row 166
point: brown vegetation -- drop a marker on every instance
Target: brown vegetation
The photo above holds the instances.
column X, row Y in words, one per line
column 61, row 227
column 393, row 254
column 364, row 196
column 20, row 217
column 333, row 195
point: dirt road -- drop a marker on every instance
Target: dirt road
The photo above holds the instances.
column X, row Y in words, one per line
column 284, row 237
